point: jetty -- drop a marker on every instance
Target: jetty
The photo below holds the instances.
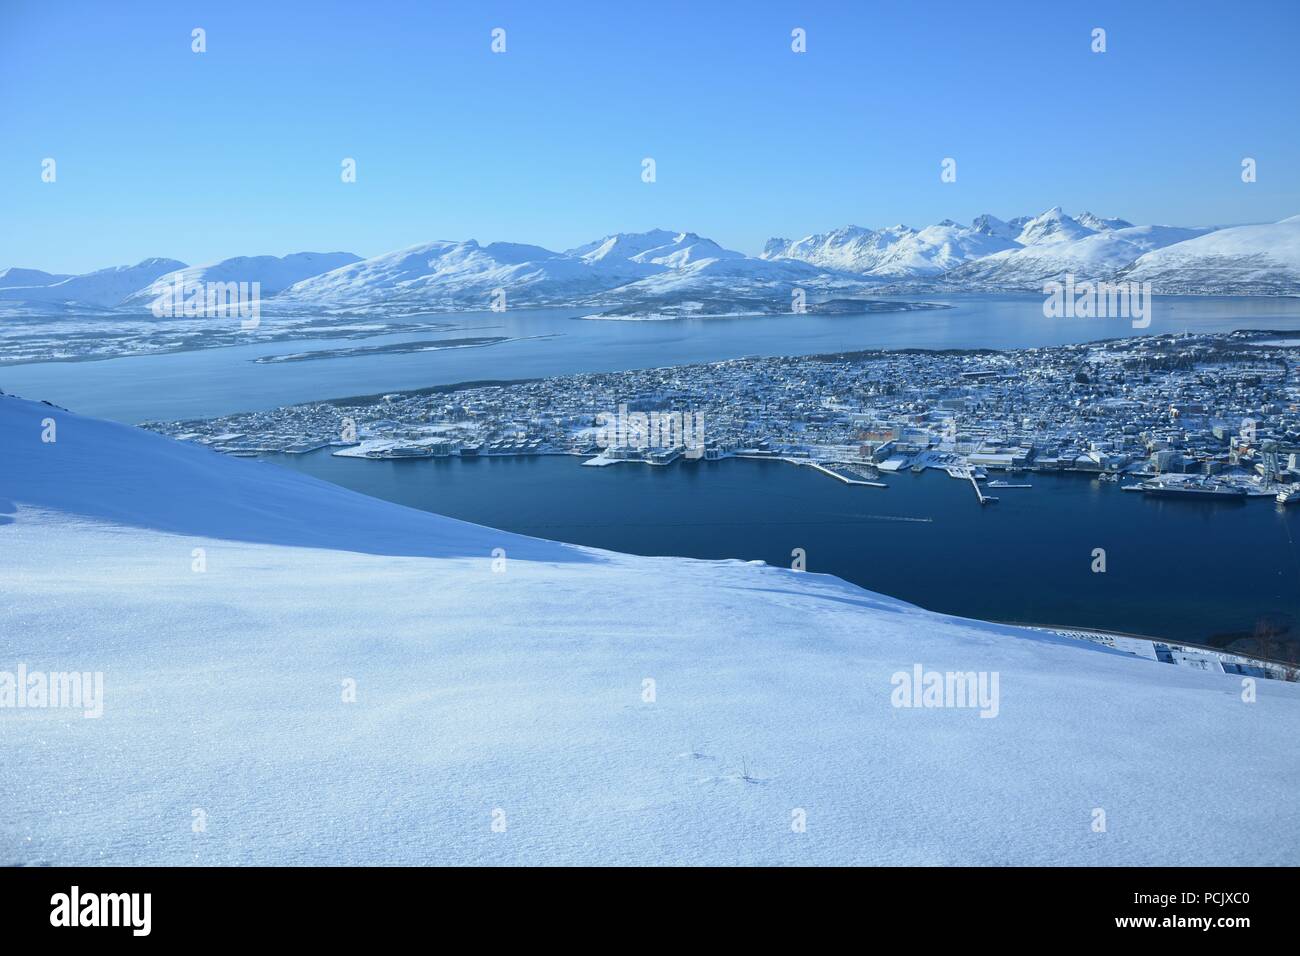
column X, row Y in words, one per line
column 964, row 471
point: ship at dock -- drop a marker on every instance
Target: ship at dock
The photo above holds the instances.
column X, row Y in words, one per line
column 1194, row 488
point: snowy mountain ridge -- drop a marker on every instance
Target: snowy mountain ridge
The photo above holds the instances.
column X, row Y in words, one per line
column 273, row 273
column 662, row 267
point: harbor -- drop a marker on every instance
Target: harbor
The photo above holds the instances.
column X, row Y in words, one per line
column 1119, row 411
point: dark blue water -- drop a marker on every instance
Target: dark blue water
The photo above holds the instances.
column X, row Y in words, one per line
column 1198, row 571
column 222, row 381
column 1192, row 570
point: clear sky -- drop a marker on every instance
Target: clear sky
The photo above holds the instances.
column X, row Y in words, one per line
column 164, row 152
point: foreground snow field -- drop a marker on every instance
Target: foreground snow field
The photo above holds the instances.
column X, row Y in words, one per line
column 518, row 696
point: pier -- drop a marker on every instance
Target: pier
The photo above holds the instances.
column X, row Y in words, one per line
column 965, row 471
column 846, row 474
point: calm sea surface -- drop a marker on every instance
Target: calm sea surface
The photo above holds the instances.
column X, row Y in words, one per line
column 1198, row 571
column 211, row 382
column 1191, row 570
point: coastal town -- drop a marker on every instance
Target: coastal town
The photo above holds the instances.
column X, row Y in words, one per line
column 1212, row 416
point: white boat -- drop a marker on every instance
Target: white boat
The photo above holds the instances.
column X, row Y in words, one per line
column 1288, row 496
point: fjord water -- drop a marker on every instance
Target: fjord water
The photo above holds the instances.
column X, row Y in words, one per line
column 220, row 381
column 1198, row 571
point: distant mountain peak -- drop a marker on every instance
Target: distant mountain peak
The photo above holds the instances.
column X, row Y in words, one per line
column 989, row 225
column 1052, row 226
column 897, row 251
column 15, row 276
column 1099, row 224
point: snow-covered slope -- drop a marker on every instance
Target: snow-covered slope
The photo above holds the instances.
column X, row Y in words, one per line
column 105, row 288
column 1052, row 226
column 685, row 249
column 1093, row 255
column 897, row 251
column 657, row 247
column 466, row 273
column 989, row 225
column 1242, row 260
column 851, row 248
column 733, row 283
column 599, row 708
column 622, row 246
column 658, row 267
column 1098, row 224
column 991, row 255
column 14, row 276
column 273, row 272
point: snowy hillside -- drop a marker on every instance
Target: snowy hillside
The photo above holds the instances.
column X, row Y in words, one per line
column 14, row 276
column 989, row 225
column 1098, row 224
column 897, row 251
column 275, row 273
column 465, row 273
column 596, row 707
column 657, row 268
column 1052, row 226
column 1093, row 255
column 656, row 247
column 106, row 288
column 697, row 275
column 990, row 254
column 1243, row 260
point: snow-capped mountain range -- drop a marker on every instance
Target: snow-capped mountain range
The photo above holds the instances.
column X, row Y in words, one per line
column 896, row 251
column 274, row 274
column 661, row 267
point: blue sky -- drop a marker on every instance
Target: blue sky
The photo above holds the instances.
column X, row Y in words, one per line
column 237, row 151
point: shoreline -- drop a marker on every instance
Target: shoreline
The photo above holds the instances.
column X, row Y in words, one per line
column 893, row 526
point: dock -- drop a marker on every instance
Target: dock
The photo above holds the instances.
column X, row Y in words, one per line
column 964, row 471
column 845, row 474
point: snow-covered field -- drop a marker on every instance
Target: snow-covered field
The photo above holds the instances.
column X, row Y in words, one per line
column 502, row 712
